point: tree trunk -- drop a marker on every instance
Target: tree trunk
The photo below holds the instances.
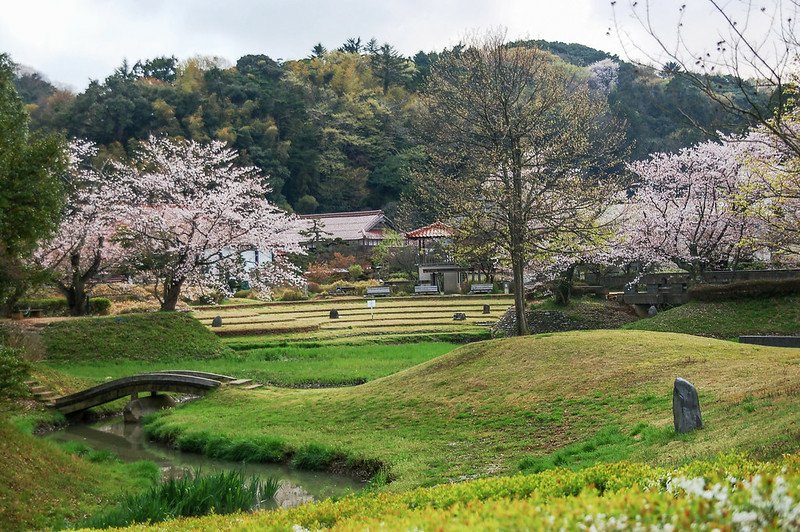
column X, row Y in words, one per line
column 564, row 286
column 172, row 290
column 77, row 299
column 518, row 233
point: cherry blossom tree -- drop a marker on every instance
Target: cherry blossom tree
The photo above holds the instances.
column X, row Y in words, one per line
column 189, row 213
column 81, row 249
column 692, row 208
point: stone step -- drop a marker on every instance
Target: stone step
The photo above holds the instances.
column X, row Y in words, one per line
column 31, row 383
column 38, row 389
column 252, row 386
column 239, row 382
column 47, row 394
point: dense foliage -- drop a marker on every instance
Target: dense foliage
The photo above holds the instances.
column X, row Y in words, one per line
column 335, row 131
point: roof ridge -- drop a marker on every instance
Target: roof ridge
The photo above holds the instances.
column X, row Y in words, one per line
column 342, row 214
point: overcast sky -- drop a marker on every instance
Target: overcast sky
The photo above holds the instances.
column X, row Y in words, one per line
column 73, row 41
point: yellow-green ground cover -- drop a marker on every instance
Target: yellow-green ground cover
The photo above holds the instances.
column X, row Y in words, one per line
column 730, row 492
column 568, row 399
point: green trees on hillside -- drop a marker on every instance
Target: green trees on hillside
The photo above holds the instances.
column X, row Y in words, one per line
column 336, row 130
column 30, row 189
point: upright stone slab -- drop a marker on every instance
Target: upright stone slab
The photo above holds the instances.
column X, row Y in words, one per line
column 685, row 407
column 652, row 311
column 459, row 316
column 217, row 321
column 334, row 315
column 487, row 309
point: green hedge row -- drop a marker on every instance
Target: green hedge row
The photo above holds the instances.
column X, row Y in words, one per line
column 745, row 290
column 56, row 306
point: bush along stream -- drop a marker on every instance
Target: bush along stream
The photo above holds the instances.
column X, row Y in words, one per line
column 269, row 450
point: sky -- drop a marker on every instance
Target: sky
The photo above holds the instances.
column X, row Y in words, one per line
column 74, row 41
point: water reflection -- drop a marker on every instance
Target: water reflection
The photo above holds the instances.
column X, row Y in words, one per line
column 129, row 442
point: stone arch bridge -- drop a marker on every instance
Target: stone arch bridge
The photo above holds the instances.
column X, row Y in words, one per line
column 175, row 381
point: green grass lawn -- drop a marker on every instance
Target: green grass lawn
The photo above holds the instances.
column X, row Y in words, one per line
column 728, row 319
column 280, row 366
column 568, row 399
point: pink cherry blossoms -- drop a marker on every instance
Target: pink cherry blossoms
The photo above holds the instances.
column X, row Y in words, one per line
column 187, row 213
column 692, row 208
column 81, row 249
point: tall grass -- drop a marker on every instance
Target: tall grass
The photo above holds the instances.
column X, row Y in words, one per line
column 192, row 495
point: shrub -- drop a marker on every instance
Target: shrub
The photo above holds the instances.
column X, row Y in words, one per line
column 314, row 288
column 57, row 306
column 744, row 290
column 290, row 294
column 13, row 373
column 243, row 294
column 355, row 271
column 99, row 305
column 51, row 306
column 192, row 495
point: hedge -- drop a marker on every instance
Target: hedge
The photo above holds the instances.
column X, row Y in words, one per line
column 55, row 306
column 745, row 290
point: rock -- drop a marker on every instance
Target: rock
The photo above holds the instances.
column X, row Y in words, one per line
column 652, row 311
column 138, row 407
column 685, row 407
column 133, row 411
column 487, row 309
column 334, row 314
column 217, row 321
column 459, row 316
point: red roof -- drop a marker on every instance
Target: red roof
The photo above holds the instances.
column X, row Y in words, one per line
column 435, row 230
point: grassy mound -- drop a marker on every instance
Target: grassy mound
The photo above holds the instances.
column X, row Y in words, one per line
column 41, row 486
column 728, row 493
column 728, row 319
column 499, row 406
column 154, row 336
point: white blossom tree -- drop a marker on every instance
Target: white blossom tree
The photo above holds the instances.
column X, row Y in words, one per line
column 81, row 249
column 692, row 208
column 189, row 212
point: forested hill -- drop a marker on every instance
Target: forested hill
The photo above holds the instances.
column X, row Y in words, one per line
column 333, row 131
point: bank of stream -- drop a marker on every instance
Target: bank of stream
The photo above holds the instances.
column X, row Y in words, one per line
column 130, row 444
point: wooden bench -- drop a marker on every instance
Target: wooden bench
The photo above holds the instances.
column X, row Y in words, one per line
column 429, row 289
column 379, row 291
column 344, row 290
column 481, row 288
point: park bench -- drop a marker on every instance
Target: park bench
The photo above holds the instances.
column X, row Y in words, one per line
column 481, row 288
column 426, row 289
column 373, row 291
column 344, row 290
column 27, row 313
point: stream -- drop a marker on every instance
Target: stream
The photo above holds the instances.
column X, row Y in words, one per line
column 129, row 442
